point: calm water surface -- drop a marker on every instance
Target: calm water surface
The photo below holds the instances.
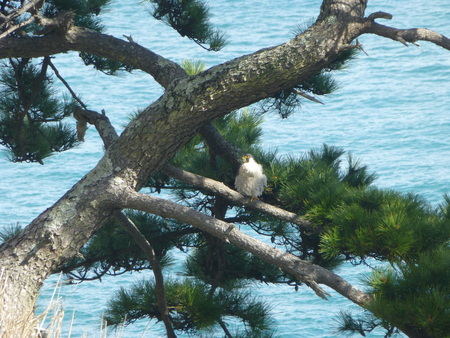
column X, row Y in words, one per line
column 392, row 112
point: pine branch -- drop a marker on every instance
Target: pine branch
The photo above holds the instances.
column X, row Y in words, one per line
column 31, row 7
column 302, row 270
column 16, row 27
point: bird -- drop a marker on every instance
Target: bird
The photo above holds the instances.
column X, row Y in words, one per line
column 250, row 180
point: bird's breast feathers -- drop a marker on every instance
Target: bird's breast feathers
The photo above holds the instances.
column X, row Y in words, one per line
column 251, row 169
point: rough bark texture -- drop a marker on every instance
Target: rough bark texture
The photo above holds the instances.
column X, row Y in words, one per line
column 152, row 139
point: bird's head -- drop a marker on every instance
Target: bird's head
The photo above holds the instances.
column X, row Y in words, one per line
column 246, row 158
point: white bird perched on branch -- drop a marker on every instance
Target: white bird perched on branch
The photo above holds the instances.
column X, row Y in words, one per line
column 250, row 180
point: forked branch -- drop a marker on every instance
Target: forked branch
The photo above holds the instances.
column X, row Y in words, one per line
column 406, row 36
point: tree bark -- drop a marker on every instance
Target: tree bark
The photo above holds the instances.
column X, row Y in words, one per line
column 153, row 138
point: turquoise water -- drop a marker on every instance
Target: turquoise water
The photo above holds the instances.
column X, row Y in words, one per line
column 392, row 111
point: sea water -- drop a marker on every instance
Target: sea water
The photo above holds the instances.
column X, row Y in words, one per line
column 391, row 111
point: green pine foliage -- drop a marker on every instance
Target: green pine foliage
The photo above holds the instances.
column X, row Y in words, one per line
column 191, row 306
column 237, row 267
column 189, row 18
column 384, row 225
column 112, row 251
column 31, row 114
column 193, row 67
column 86, row 15
column 10, row 231
column 415, row 295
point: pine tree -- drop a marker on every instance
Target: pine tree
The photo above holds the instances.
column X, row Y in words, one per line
column 348, row 218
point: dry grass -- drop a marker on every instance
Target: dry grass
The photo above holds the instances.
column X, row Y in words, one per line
column 48, row 324
column 32, row 326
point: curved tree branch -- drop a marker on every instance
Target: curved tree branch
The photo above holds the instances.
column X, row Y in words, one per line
column 304, row 271
column 80, row 39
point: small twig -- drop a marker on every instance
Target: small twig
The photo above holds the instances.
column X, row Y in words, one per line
column 357, row 45
column 129, row 38
column 307, row 96
column 360, row 47
column 317, row 289
column 58, row 75
column 101, row 123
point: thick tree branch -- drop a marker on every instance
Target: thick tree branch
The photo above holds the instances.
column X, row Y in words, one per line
column 221, row 189
column 80, row 39
column 304, row 271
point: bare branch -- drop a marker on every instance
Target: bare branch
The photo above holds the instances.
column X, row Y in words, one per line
column 307, row 96
column 304, row 271
column 411, row 35
column 232, row 195
column 66, row 84
column 140, row 239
